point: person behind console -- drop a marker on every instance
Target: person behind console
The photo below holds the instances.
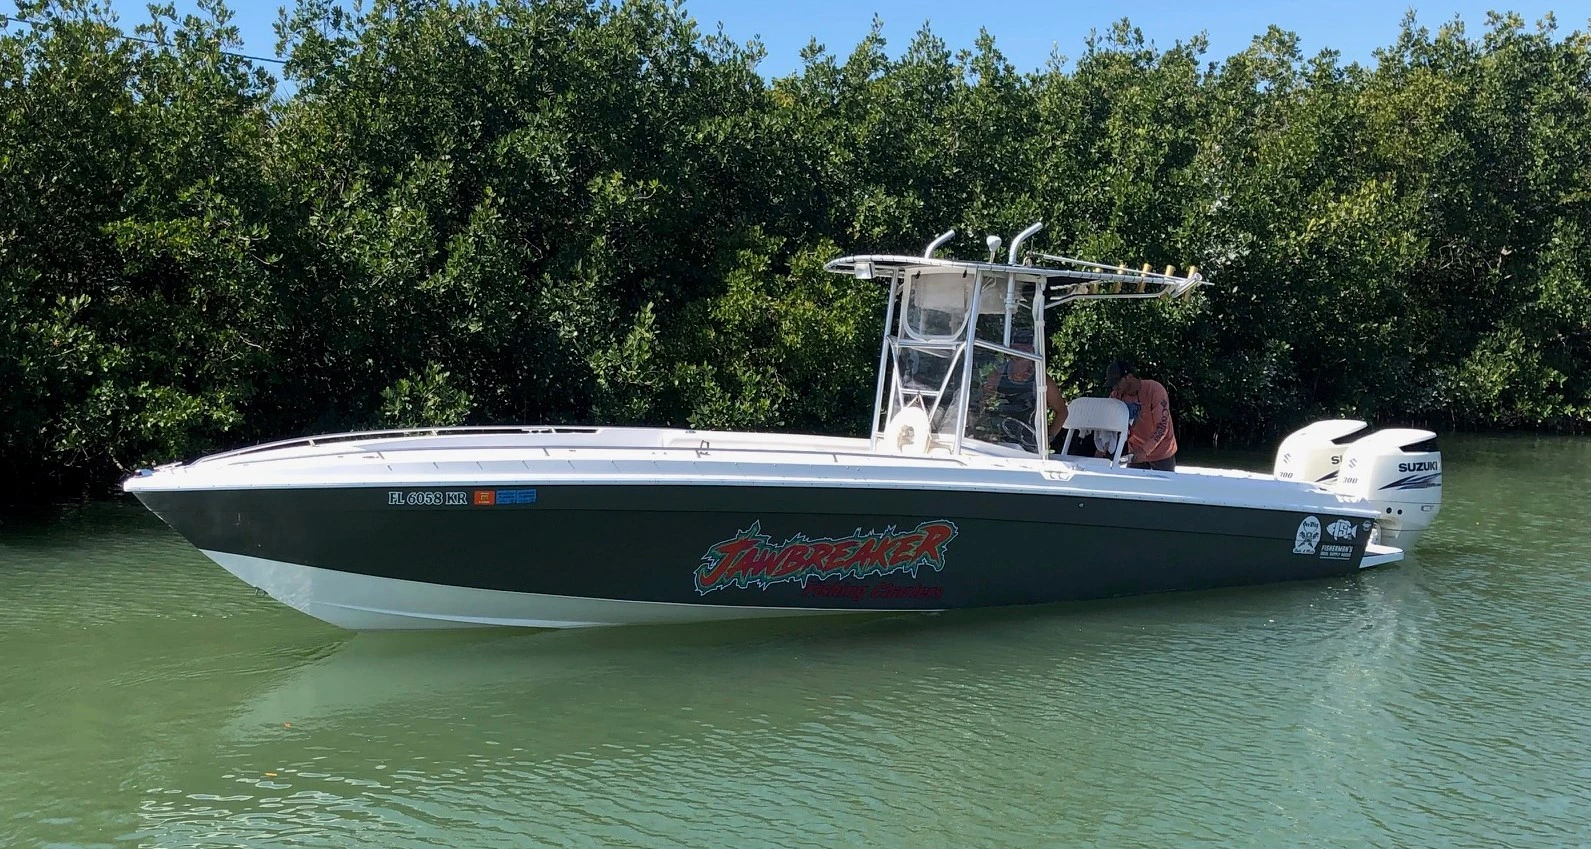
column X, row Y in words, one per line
column 1012, row 385
column 1151, row 438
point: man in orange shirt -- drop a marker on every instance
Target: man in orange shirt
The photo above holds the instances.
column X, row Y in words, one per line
column 1151, row 438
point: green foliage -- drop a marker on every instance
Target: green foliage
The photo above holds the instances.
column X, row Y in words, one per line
column 781, row 349
column 426, row 399
column 565, row 211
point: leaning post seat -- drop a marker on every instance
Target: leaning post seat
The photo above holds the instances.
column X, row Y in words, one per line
column 1107, row 415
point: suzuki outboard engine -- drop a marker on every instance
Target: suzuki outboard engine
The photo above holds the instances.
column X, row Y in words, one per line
column 1313, row 454
column 1399, row 471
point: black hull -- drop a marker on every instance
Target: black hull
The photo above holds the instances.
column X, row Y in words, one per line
column 796, row 547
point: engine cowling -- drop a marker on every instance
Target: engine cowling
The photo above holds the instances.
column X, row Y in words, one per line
column 1313, row 454
column 1404, row 485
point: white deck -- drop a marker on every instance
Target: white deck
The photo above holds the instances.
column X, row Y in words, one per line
column 659, row 456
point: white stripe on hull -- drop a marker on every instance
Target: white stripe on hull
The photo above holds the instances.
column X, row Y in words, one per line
column 369, row 602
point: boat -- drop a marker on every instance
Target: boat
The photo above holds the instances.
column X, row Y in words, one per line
column 954, row 499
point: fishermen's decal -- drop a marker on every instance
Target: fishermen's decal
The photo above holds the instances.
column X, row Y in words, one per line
column 1345, row 533
column 1342, row 529
column 752, row 558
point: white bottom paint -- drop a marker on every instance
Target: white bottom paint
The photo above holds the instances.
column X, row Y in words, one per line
column 370, row 603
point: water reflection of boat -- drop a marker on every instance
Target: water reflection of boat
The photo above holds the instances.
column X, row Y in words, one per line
column 940, row 507
column 763, row 729
column 375, row 673
column 562, row 693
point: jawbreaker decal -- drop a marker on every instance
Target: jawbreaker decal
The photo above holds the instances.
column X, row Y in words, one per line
column 750, row 557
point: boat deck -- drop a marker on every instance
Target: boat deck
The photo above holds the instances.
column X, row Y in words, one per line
column 664, row 456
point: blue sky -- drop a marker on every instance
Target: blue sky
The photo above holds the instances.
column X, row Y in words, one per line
column 1028, row 30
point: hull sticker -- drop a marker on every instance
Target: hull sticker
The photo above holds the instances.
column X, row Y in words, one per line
column 1308, row 536
column 1342, row 529
column 751, row 558
column 459, row 497
column 880, row 591
column 1344, row 534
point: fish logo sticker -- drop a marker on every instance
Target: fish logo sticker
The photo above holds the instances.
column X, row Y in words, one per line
column 1308, row 537
column 1343, row 529
column 751, row 558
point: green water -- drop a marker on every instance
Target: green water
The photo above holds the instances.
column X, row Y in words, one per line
column 148, row 698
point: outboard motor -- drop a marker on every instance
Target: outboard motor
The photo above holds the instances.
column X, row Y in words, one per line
column 1399, row 471
column 1313, row 454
